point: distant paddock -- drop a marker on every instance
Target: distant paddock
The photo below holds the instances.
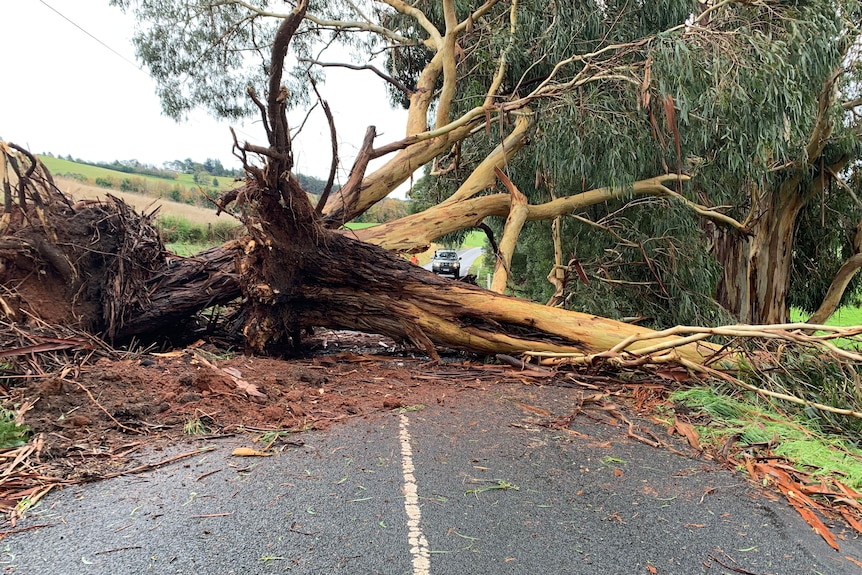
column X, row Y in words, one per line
column 141, row 203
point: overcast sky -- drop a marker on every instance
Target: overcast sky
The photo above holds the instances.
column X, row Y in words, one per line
column 78, row 90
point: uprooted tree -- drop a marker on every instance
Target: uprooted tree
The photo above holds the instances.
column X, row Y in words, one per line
column 649, row 96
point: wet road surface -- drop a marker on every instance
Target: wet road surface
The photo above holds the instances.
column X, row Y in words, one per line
column 469, row 485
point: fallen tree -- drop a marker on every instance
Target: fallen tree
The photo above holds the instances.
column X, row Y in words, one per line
column 295, row 272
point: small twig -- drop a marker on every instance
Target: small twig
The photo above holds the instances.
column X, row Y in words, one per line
column 731, row 567
column 293, row 529
column 99, row 405
column 106, row 551
column 207, row 474
column 3, row 534
column 150, row 466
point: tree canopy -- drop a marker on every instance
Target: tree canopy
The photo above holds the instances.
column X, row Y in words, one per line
column 754, row 106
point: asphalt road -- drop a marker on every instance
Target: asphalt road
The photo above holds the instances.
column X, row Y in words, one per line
column 468, row 485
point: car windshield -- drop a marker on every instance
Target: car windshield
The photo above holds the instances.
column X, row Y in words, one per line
column 447, row 255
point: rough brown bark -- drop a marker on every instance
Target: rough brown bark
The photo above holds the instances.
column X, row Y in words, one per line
column 756, row 262
column 756, row 266
column 184, row 287
column 353, row 285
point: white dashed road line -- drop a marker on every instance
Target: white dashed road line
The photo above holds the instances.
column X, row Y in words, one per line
column 417, row 541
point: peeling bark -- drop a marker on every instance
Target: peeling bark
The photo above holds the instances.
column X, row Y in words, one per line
column 756, row 266
column 511, row 230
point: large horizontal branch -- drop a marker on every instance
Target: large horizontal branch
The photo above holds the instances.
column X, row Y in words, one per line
column 416, row 231
column 457, row 315
column 836, row 289
column 186, row 286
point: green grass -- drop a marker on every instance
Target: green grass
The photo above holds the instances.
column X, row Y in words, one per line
column 187, row 250
column 12, row 434
column 475, row 239
column 752, row 423
column 845, row 316
column 59, row 166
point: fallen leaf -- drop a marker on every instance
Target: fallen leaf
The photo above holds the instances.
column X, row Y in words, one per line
column 688, row 431
column 168, row 354
column 652, row 569
column 798, row 501
column 533, row 409
column 850, row 519
column 249, row 452
column 247, row 387
column 53, row 344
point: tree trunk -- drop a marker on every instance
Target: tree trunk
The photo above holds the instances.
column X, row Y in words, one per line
column 756, row 266
column 184, row 287
column 349, row 284
column 756, row 263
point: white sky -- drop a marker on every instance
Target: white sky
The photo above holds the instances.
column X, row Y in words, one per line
column 63, row 92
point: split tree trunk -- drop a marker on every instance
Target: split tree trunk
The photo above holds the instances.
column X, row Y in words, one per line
column 348, row 284
column 756, row 266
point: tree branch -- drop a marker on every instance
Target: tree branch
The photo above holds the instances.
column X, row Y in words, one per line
column 349, row 190
column 417, row 230
column 501, row 67
column 420, row 18
column 401, row 87
column 518, row 210
column 334, row 144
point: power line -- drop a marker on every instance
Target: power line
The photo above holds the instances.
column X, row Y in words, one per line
column 139, row 68
column 69, row 20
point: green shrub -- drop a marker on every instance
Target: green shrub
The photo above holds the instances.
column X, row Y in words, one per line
column 12, row 434
column 136, row 185
column 177, row 230
column 106, row 182
column 223, row 231
column 174, row 229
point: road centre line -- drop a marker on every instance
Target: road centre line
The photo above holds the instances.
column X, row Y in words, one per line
column 415, row 538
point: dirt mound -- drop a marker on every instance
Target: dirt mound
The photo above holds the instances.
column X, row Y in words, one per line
column 93, row 413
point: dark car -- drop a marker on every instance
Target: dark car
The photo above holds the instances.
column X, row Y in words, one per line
column 446, row 262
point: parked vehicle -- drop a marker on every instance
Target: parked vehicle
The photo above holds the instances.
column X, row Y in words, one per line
column 446, row 262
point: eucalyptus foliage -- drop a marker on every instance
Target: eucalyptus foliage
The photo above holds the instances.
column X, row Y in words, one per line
column 728, row 92
column 744, row 87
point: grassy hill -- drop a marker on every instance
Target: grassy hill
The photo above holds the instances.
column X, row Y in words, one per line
column 185, row 214
column 181, row 189
column 59, row 166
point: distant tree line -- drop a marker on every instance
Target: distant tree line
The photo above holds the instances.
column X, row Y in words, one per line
column 210, row 166
column 204, row 175
column 129, row 167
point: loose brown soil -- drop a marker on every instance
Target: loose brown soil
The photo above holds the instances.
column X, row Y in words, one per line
column 101, row 410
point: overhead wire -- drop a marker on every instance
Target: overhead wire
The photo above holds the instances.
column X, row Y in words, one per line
column 79, row 27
